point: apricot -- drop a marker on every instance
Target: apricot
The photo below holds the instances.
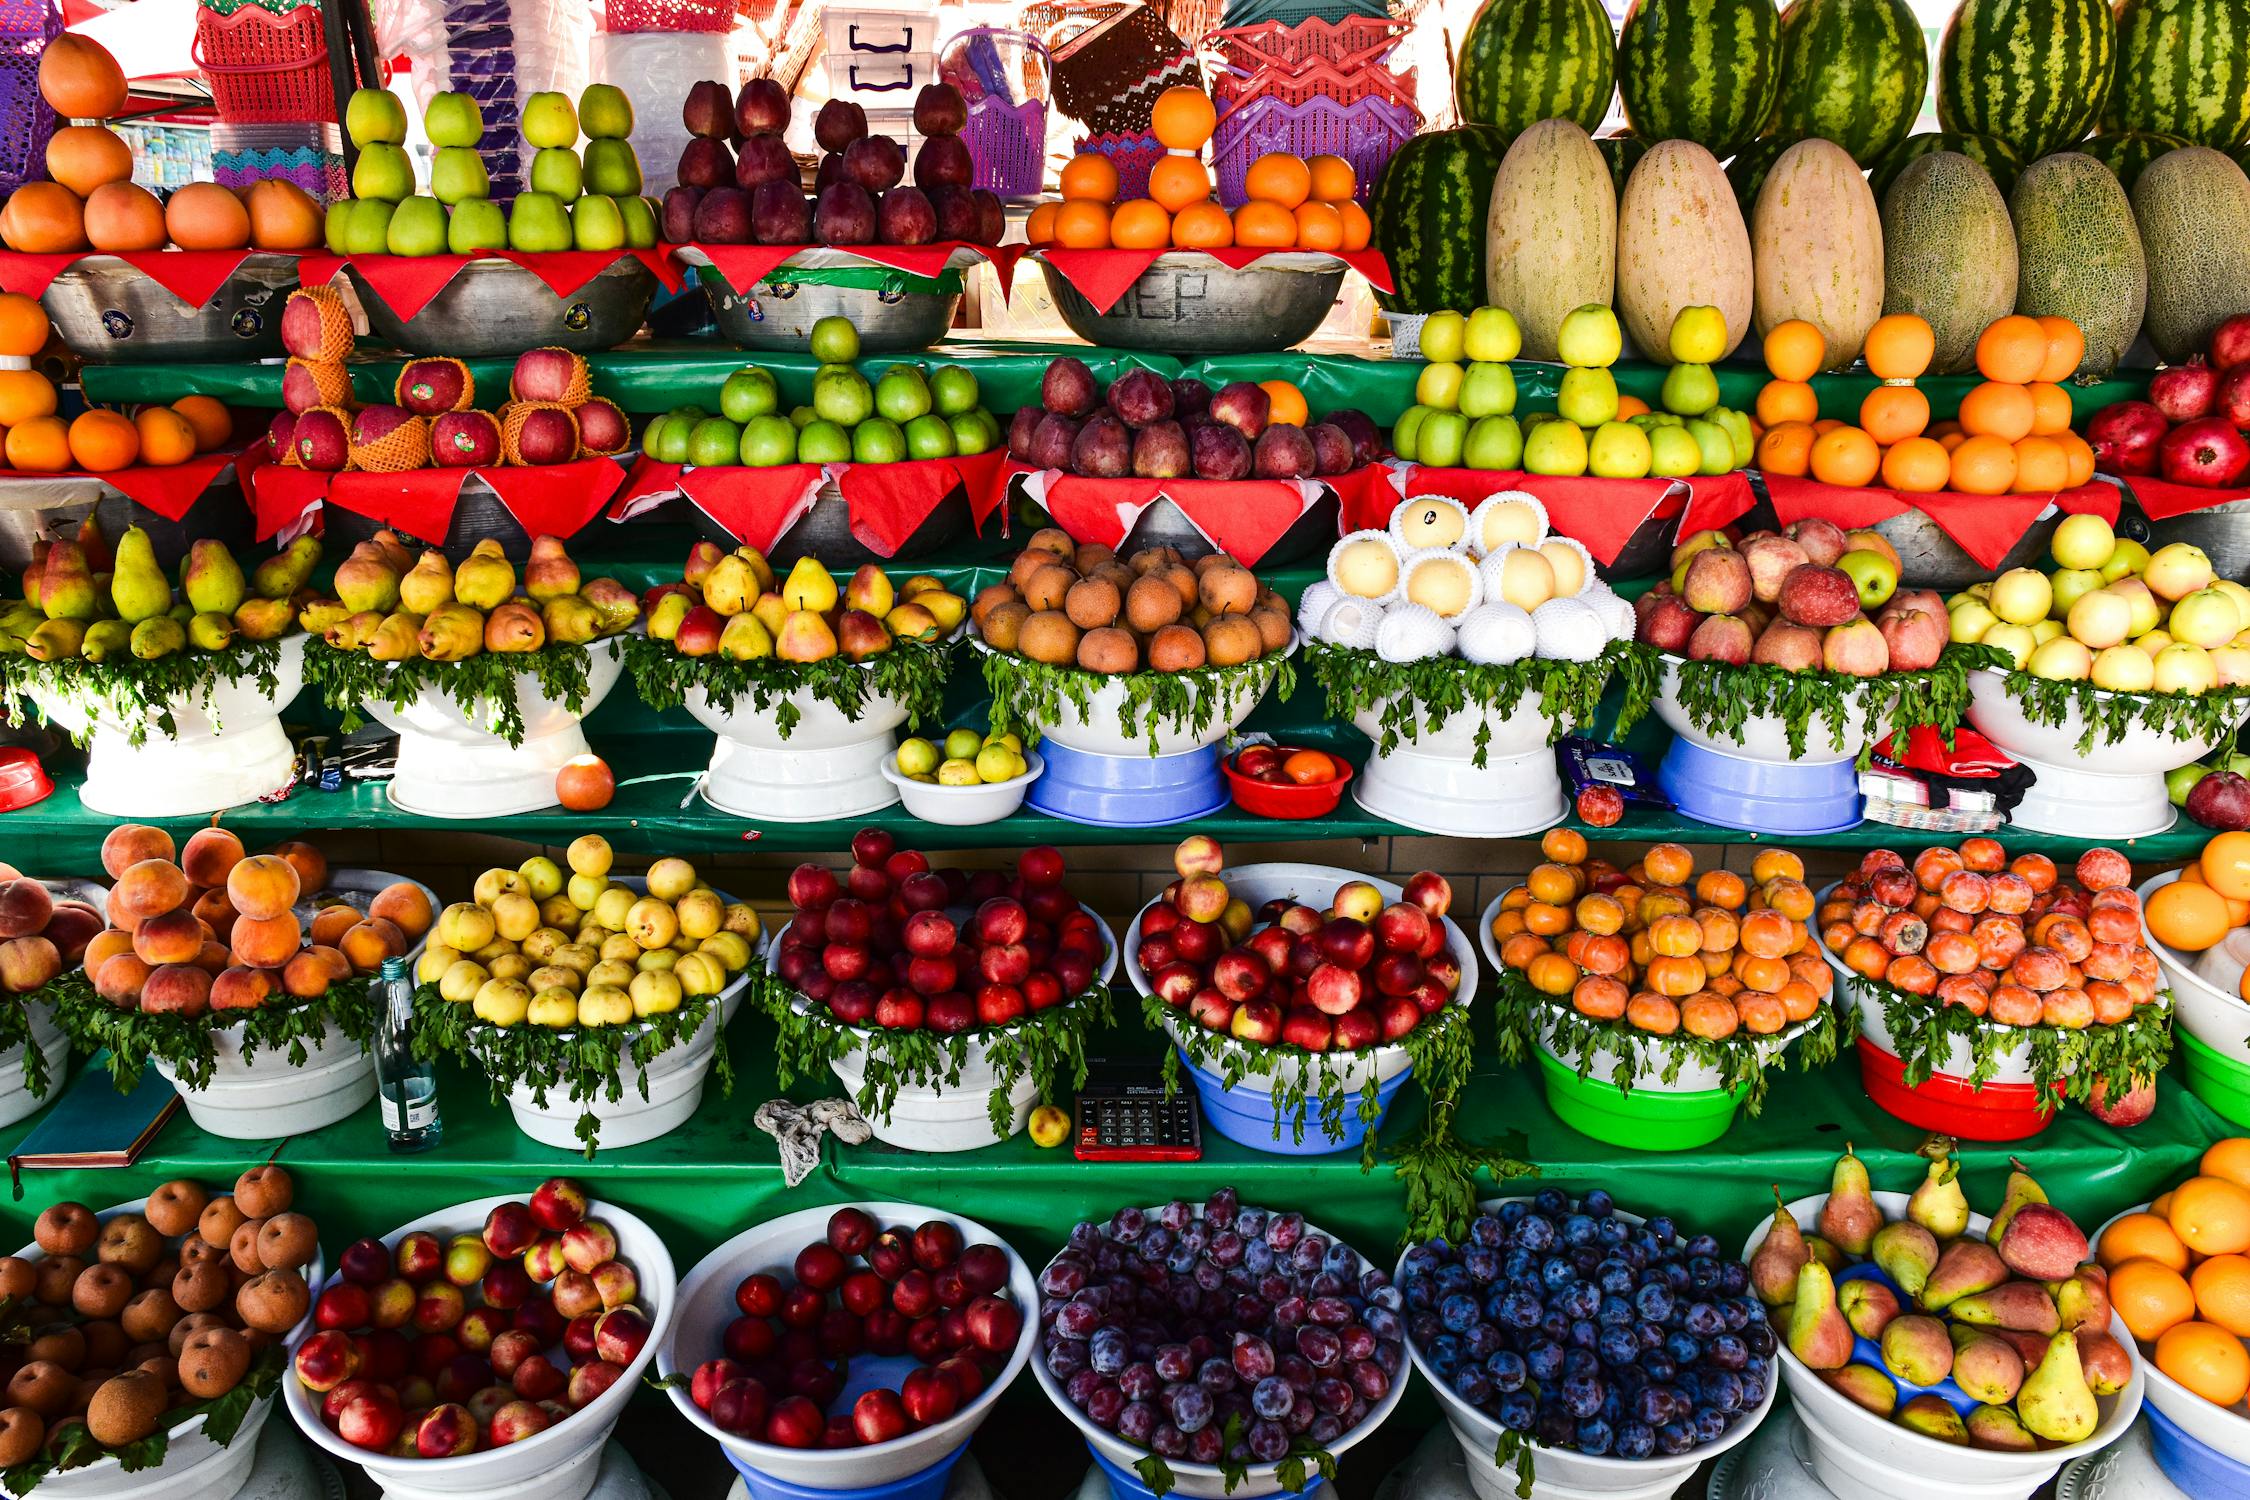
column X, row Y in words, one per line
column 368, row 944
column 177, row 990
column 406, row 906
column 330, row 923
column 242, row 988
column 210, row 855
column 172, row 937
column 128, row 844
column 310, row 864
column 121, row 978
column 151, row 887
column 264, row 887
column 267, row 942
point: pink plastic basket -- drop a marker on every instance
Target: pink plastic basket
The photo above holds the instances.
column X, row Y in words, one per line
column 1317, row 80
column 1364, row 133
column 265, row 68
column 1134, row 156
column 1346, row 44
column 668, row 15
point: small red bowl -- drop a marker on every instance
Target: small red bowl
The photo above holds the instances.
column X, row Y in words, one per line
column 23, row 780
column 1994, row 1112
column 1270, row 799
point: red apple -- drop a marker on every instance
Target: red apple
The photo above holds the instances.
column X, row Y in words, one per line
column 929, row 1398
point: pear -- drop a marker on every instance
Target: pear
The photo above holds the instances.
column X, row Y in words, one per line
column 212, row 579
column 319, row 617
column 860, row 635
column 2055, row 1402
column 211, row 632
column 284, row 573
column 1916, row 1350
column 870, row 590
column 263, row 619
column 2021, row 1305
column 398, row 638
column 1986, row 1366
column 514, row 627
column 353, row 632
column 1849, row 1219
column 1869, row 1306
column 153, row 640
column 428, row 584
column 1934, row 1417
column 1866, row 1385
column 1773, row 1270
column 453, row 632
column 1964, row 1268
column 485, row 578
column 2022, row 1191
column 1907, row 1252
column 615, row 607
column 1827, row 1254
column 731, row 586
column 1818, row 1334
column 745, row 639
column 366, row 580
column 759, row 566
column 94, row 542
column 136, row 585
column 570, row 620
column 549, row 574
column 664, row 619
column 106, row 640
column 809, row 587
column 911, row 622
column 1938, row 1204
column 66, row 585
column 805, row 636
column 2082, row 1301
column 394, row 549
column 1999, row 1429
column 39, row 551
column 2109, row 1369
column 60, row 640
column 771, row 612
column 701, row 559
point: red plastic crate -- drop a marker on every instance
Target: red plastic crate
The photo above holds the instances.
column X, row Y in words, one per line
column 668, row 15
column 1346, row 44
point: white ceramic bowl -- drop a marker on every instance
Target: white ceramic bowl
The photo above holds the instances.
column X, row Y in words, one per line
column 2219, row 1428
column 1209, row 1481
column 2214, row 1015
column 962, row 806
column 1432, row 782
column 829, row 765
column 1958, row 1062
column 1861, row 1456
column 1764, row 737
column 1099, row 728
column 2111, row 791
column 1316, row 886
column 706, row 1307
column 193, row 1464
column 1559, row 1473
column 558, row 1464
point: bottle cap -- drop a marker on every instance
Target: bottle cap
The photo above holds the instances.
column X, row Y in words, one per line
column 394, row 968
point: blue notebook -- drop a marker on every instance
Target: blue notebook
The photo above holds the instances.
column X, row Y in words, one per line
column 93, row 1125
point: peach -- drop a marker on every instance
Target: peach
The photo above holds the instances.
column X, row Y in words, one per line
column 176, row 990
column 2112, row 1002
column 242, row 988
column 70, row 927
column 1998, row 942
column 2037, row 869
column 172, row 937
column 209, row 855
column 2013, row 1005
column 2104, row 870
column 1932, row 865
column 214, row 956
column 267, row 942
column 25, row 907
column 310, row 864
column 129, row 843
column 150, row 887
column 120, row 979
column 368, row 944
column 312, row 971
column 264, row 886
column 214, row 911
column 330, row 923
column 2068, row 1007
column 27, row 963
column 119, row 917
column 405, row 905
column 1964, row 991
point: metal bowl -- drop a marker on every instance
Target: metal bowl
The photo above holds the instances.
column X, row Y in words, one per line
column 495, row 307
column 824, row 533
column 780, row 315
column 1188, row 303
column 47, row 508
column 1164, row 524
column 106, row 311
column 2223, row 532
column 1930, row 559
column 477, row 514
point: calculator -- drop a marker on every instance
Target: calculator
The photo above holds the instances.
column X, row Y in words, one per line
column 1135, row 1122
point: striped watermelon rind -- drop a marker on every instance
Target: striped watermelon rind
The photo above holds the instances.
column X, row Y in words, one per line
column 2035, row 73
column 2183, row 69
column 1747, row 172
column 1997, row 157
column 1700, row 70
column 1524, row 61
column 2129, row 151
column 1427, row 213
column 1622, row 152
column 1852, row 71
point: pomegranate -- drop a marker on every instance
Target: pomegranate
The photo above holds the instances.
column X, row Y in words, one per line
column 2230, row 342
column 2125, row 437
column 2232, row 402
column 2209, row 454
column 2184, row 392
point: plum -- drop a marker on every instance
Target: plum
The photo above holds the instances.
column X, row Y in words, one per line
column 1020, row 428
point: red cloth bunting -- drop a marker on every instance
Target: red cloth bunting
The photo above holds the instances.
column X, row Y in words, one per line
column 418, row 502
column 548, row 499
column 889, row 501
column 649, row 485
column 754, row 506
column 406, row 283
column 2163, row 498
column 1103, row 276
column 1985, row 526
column 1242, row 517
column 168, row 489
column 555, row 499
column 193, row 276
column 1601, row 513
column 284, row 502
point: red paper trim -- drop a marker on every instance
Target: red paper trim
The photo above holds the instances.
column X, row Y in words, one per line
column 2165, row 498
column 1103, row 276
column 648, row 485
column 170, row 489
column 888, row 502
column 754, row 506
column 555, row 499
column 744, row 266
column 193, row 276
column 284, row 499
column 418, row 502
column 1243, row 518
column 406, row 283
column 1601, row 513
column 547, row 499
column 1984, row 526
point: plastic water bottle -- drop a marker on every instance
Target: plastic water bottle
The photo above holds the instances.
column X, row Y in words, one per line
column 405, row 1087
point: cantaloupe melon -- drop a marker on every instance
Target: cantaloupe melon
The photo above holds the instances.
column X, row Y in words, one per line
column 1551, row 239
column 2079, row 253
column 1681, row 243
column 2193, row 208
column 1817, row 246
column 1949, row 253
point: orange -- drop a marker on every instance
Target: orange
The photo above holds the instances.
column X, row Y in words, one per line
column 1090, row 174
column 83, row 157
column 2209, row 1361
column 2141, row 1236
column 1827, row 425
column 2230, row 1158
column 1787, row 401
column 2078, row 454
column 1265, row 223
column 1629, row 406
column 1039, row 228
column 2050, row 408
column 39, row 446
column 2066, row 346
column 2226, row 864
column 1899, row 346
column 2012, row 349
column 1893, row 413
column 2041, row 466
column 1183, row 118
column 1333, row 180
column 1082, row 224
column 1358, row 228
column 1997, row 410
column 2211, row 1216
column 1202, row 226
column 2222, row 1292
column 1786, row 448
column 1917, row 465
column 1139, row 224
column 1288, row 403
column 23, row 325
column 1319, row 227
column 1983, row 466
column 1794, row 350
column 1846, row 456
column 205, row 216
column 208, row 415
column 104, row 440
column 1177, row 181
column 25, row 394
column 166, row 437
column 2191, row 918
column 2150, row 1297
column 1279, row 177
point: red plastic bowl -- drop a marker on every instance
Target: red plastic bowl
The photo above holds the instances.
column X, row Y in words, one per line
column 23, row 780
column 1297, row 800
column 1941, row 1102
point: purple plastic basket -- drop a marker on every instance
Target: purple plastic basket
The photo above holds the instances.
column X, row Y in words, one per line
column 1364, row 132
column 1008, row 143
column 1134, row 156
column 25, row 120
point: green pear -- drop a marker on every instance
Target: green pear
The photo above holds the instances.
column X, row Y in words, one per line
column 367, row 231
column 1618, row 450
column 1907, row 1253
column 1405, row 431
column 1555, row 447
column 612, row 168
column 156, row 639
column 549, row 121
column 398, row 638
column 453, row 121
column 557, row 170
column 476, row 224
column 605, row 113
column 642, row 230
column 428, row 584
column 417, row 227
column 1933, row 1417
column 485, row 578
column 1488, row 390
column 384, row 172
column 285, row 572
column 264, row 619
column 1849, row 1216
column 2022, row 1191
column 106, row 640
column 1494, row 443
column 1444, row 435
column 536, row 221
column 1689, row 389
column 1587, row 397
column 457, row 174
column 212, row 579
column 210, row 632
column 2055, row 1401
column 334, row 225
column 809, row 587
column 136, row 584
column 375, row 117
column 1712, row 442
column 1938, row 1204
column 595, row 224
column 745, row 639
column 1673, row 452
column 60, row 640
column 1773, row 1268
column 569, row 620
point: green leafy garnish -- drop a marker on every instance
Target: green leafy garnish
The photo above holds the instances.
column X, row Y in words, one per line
column 15, row 1031
column 2203, row 718
column 911, row 674
column 186, row 1044
column 141, row 694
column 1719, row 698
column 1029, row 695
column 1413, row 697
column 2071, row 1061
column 484, row 683
column 1514, row 1447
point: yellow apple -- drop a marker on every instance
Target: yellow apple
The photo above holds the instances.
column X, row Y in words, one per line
column 589, row 854
column 493, row 884
column 2016, row 640
column 461, row 980
column 2205, row 618
column 2101, row 618
column 2232, row 663
column 2022, row 595
column 2182, row 668
column 1049, row 1126
column 2061, row 659
column 2084, row 541
column 2124, row 669
column 2177, row 570
column 2147, row 612
column 553, row 1008
column 1970, row 620
column 670, row 879
column 515, row 916
column 502, row 1002
column 2070, row 584
column 2044, row 631
column 2129, row 558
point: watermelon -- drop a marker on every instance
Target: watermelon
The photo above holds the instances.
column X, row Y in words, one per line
column 1524, row 61
column 1747, row 172
column 2128, row 151
column 1949, row 253
column 1623, row 152
column 2079, row 254
column 2035, row 73
column 2193, row 209
column 1852, row 71
column 1700, row 70
column 1997, row 157
column 1427, row 213
column 2183, row 69
column 1551, row 234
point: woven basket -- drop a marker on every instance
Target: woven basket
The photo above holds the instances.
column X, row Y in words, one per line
column 265, row 67
column 1276, row 44
column 1365, row 133
column 25, row 120
column 1134, row 156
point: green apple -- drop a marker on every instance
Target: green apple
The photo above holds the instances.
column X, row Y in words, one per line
column 1444, row 334
column 1555, row 448
column 557, row 171
column 457, row 174
column 1698, row 337
column 1619, row 450
column 538, row 221
column 383, row 171
column 1716, row 446
column 2020, row 595
column 902, row 394
column 333, row 225
column 2177, row 784
column 821, row 441
column 1967, row 620
column 834, row 341
column 549, row 121
column 877, row 440
column 749, row 392
column 417, row 227
column 974, row 432
column 714, row 441
column 2070, row 584
column 842, row 395
column 799, row 416
column 604, row 113
column 1587, row 396
column 767, row 441
column 368, row 230
column 2083, row 542
column 1494, row 443
column 1673, row 453
column 375, row 117
column 1443, row 436
column 642, row 231
column 595, row 224
column 1736, row 424
column 1403, row 431
column 1689, row 389
column 477, row 224
column 928, row 436
column 1874, row 576
column 453, row 120
column 613, row 169
column 953, row 390
column 1488, row 390
column 1492, row 336
column 1439, row 386
column 1589, row 336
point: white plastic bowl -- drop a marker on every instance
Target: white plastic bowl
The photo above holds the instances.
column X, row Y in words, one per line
column 829, row 766
column 1763, row 737
column 1099, row 728
column 1560, row 1474
column 558, row 1464
column 1433, row 783
column 193, row 1464
column 2213, row 1015
column 2112, row 791
column 453, row 763
column 2222, row 1429
column 17, row 1101
column 1861, row 1456
column 1316, row 886
column 228, row 751
column 1209, row 1481
column 706, row 1307
column 963, row 806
